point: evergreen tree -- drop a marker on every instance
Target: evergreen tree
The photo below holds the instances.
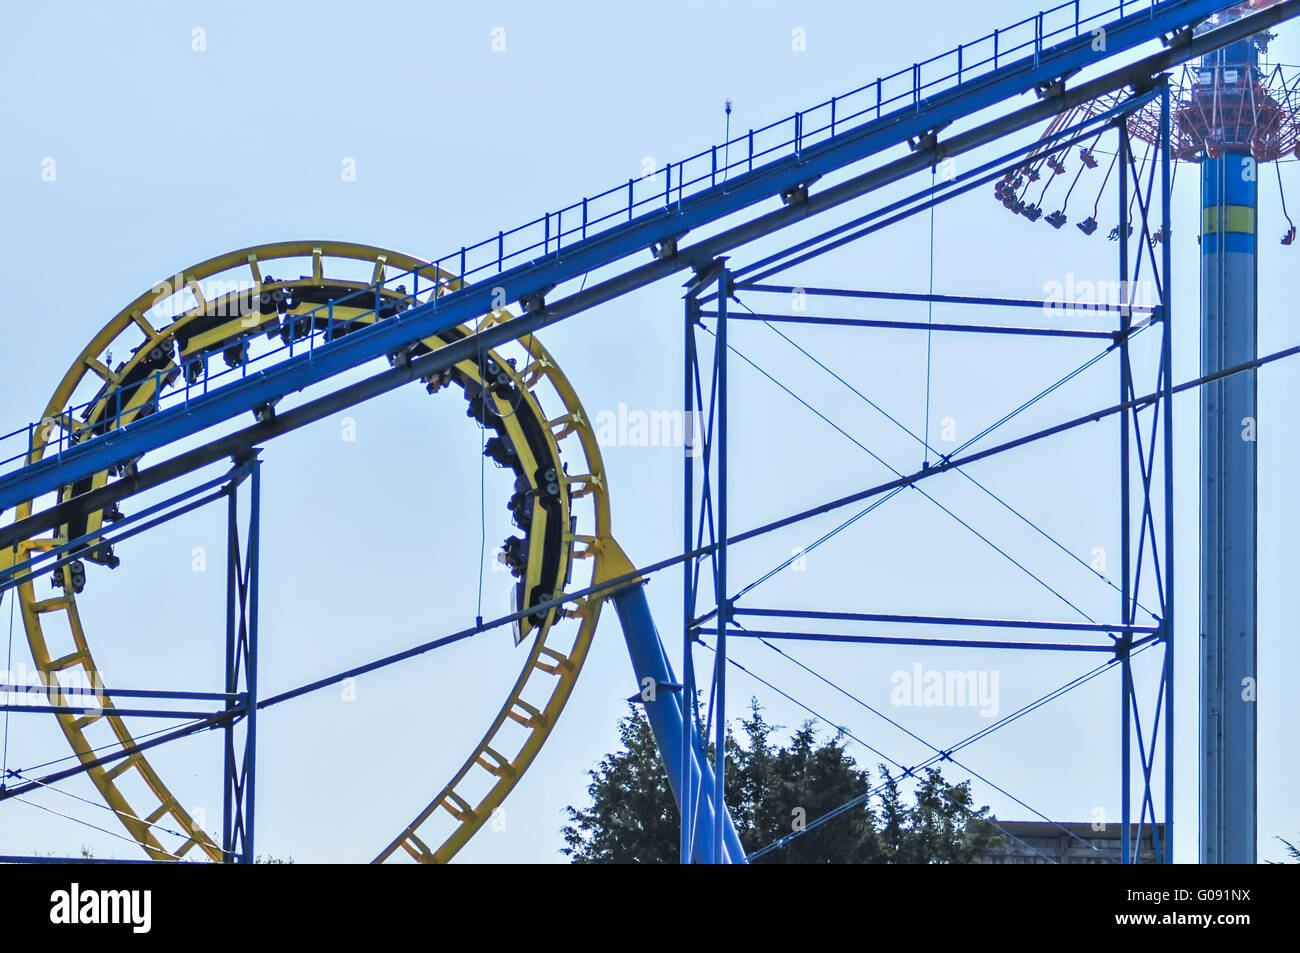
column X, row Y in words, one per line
column 772, row 791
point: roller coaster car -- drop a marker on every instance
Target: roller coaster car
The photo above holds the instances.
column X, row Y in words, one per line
column 538, row 504
column 136, row 394
column 350, row 303
column 148, row 372
column 521, row 504
column 514, row 554
column 224, row 327
column 500, row 452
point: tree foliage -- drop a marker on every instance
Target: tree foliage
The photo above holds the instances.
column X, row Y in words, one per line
column 772, row 791
column 1292, row 851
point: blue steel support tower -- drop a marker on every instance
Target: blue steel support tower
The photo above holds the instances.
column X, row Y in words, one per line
column 1228, row 480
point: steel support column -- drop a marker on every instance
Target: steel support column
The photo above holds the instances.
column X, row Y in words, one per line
column 1167, row 407
column 1150, row 548
column 723, row 602
column 1126, row 669
column 239, row 786
column 707, row 834
column 688, row 569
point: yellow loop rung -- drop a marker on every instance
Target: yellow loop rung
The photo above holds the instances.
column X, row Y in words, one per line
column 561, row 427
column 562, row 662
column 144, row 325
column 590, row 483
column 196, row 289
column 69, row 660
column 57, row 604
column 416, row 847
column 158, row 813
column 457, row 806
column 532, row 718
column 84, row 722
column 494, row 763
column 102, row 370
column 535, row 371
column 119, row 769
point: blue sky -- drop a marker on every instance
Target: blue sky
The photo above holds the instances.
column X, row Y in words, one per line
column 166, row 155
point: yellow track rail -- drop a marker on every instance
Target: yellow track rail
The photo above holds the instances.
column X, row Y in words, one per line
column 559, row 642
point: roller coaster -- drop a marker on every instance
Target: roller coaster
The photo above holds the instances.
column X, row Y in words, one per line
column 197, row 361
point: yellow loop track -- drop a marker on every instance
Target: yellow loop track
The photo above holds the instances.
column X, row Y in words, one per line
column 572, row 529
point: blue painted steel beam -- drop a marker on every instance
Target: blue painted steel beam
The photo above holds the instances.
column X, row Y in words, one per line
column 17, row 688
column 240, row 763
column 1126, row 595
column 720, row 580
column 667, row 713
column 824, row 614
column 642, row 233
column 687, row 797
column 98, row 709
column 231, row 684
column 916, row 325
column 249, row 768
column 906, row 640
column 1167, row 407
column 1035, row 304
